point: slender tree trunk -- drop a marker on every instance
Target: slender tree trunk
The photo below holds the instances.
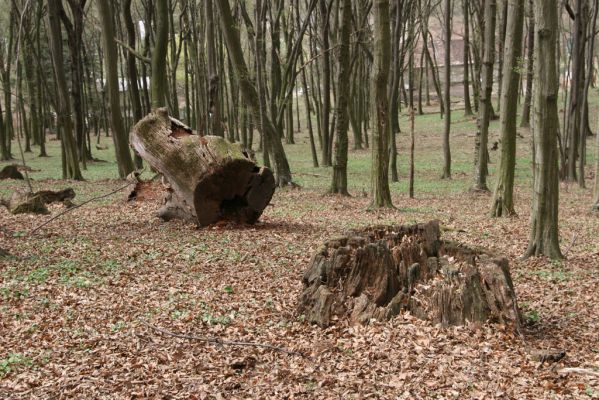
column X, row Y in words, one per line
column 63, row 99
column 381, row 195
column 573, row 130
column 326, row 85
column 530, row 43
column 544, row 238
column 158, row 81
column 503, row 202
column 119, row 133
column 484, row 115
column 248, row 91
column 467, row 104
column 585, row 94
column 447, row 100
column 339, row 182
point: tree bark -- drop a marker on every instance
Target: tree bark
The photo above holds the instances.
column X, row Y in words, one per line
column 503, row 201
column 525, row 122
column 158, row 80
column 544, row 239
column 447, row 100
column 485, row 111
column 119, row 133
column 381, row 195
column 339, row 182
column 63, row 99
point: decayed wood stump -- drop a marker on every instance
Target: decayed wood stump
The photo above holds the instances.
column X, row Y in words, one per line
column 379, row 272
column 209, row 178
column 35, row 203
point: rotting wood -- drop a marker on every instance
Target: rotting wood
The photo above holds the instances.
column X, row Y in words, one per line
column 378, row 272
column 209, row 179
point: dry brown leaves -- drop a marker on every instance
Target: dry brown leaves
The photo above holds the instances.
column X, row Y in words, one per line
column 72, row 299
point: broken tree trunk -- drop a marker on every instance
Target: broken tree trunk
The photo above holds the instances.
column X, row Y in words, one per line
column 35, row 203
column 381, row 271
column 209, row 179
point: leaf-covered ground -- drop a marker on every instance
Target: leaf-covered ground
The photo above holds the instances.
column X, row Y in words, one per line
column 74, row 298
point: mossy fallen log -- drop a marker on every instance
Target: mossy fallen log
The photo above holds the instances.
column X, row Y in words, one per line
column 209, row 179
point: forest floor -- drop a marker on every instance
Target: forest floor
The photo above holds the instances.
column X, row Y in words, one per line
column 75, row 297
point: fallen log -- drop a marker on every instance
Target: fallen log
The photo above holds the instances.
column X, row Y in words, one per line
column 378, row 272
column 209, row 178
column 35, row 203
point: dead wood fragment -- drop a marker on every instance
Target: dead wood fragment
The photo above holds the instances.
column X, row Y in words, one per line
column 35, row 203
column 11, row 172
column 378, row 272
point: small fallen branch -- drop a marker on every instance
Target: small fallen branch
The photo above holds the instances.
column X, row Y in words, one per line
column 582, row 371
column 77, row 206
column 218, row 341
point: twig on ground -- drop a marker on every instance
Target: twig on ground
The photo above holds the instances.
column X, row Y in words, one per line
column 583, row 371
column 77, row 206
column 222, row 342
column 571, row 244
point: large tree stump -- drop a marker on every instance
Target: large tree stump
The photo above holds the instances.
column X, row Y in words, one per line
column 209, row 178
column 379, row 272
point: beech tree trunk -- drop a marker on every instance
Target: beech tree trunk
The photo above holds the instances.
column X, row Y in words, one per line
column 530, row 43
column 484, row 110
column 447, row 100
column 381, row 195
column 503, row 202
column 119, row 134
column 544, row 238
column 210, row 178
column 378, row 272
column 339, row 181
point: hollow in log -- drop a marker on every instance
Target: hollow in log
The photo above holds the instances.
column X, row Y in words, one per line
column 378, row 272
column 209, row 179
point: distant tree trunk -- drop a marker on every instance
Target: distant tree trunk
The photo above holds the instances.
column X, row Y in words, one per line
column 326, row 85
column 447, row 101
column 74, row 31
column 500, row 44
column 5, row 68
column 132, row 71
column 63, row 99
column 503, row 202
column 396, row 70
column 119, row 133
column 544, row 237
column 573, row 128
column 339, row 182
column 484, row 114
column 585, row 94
column 381, row 195
column 248, row 91
column 467, row 104
column 158, row 81
column 216, row 127
column 525, row 123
